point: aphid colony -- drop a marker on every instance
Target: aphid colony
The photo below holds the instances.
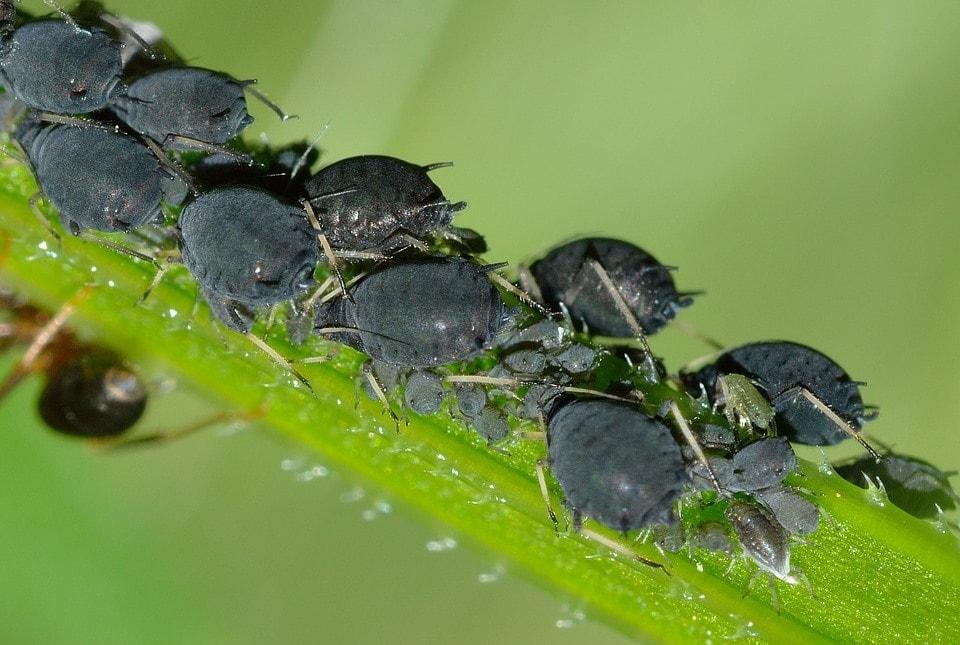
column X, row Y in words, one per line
column 122, row 135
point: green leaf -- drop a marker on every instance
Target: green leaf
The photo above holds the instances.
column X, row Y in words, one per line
column 877, row 572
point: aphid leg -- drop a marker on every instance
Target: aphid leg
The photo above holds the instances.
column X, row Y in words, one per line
column 519, row 293
column 325, row 247
column 41, row 341
column 802, row 577
column 691, row 331
column 271, row 320
column 620, row 549
column 378, row 391
column 698, row 362
column 168, row 435
column 248, row 85
column 528, row 283
column 625, row 311
column 833, row 416
column 400, row 241
column 172, row 167
column 281, row 361
column 119, row 248
column 774, row 596
column 126, row 29
column 42, row 218
column 157, row 279
column 694, row 445
column 203, row 146
column 534, row 436
column 542, row 481
column 12, row 151
column 64, row 119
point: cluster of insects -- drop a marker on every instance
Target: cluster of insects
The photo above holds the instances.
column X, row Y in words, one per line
column 123, row 136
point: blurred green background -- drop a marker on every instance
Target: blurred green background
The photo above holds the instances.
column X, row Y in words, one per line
column 798, row 161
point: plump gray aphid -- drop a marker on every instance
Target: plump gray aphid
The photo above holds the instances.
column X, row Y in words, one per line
column 54, row 66
column 471, row 398
column 424, row 392
column 782, row 370
column 97, row 178
column 246, row 249
column 763, row 539
column 913, row 485
column 762, row 464
column 567, row 277
column 795, row 513
column 389, row 198
column 491, row 424
column 525, row 361
column 190, row 102
column 615, row 464
column 419, row 313
column 717, row 437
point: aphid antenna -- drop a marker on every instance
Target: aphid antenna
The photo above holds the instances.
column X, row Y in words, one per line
column 439, row 164
column 172, row 167
column 528, row 283
column 334, row 293
column 302, row 159
column 311, row 302
column 625, row 312
column 333, row 193
column 325, row 247
column 695, row 445
column 43, row 338
column 248, row 85
column 203, row 146
column 280, row 360
column 157, row 279
column 698, row 362
column 356, row 330
column 620, row 549
column 524, row 297
column 542, row 481
column 67, row 18
column 378, row 390
column 691, row 331
column 843, row 425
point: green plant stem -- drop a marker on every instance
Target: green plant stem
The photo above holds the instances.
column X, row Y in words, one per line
column 878, row 573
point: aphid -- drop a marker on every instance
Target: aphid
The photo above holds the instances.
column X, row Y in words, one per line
column 743, row 405
column 418, row 313
column 757, row 466
column 797, row 514
column 393, row 203
column 90, row 391
column 568, row 276
column 713, row 537
column 184, row 105
column 57, row 65
column 471, row 399
column 98, row 178
column 423, row 392
column 247, row 249
column 917, row 487
column 491, row 424
column 615, row 464
column 765, row 542
column 815, row 401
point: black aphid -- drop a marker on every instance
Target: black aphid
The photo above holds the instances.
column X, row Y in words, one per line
column 815, row 400
column 917, row 487
column 97, row 177
column 57, row 65
column 247, row 249
column 572, row 276
column 185, row 105
column 418, row 313
column 423, row 392
column 757, row 466
column 615, row 464
column 795, row 513
column 391, row 203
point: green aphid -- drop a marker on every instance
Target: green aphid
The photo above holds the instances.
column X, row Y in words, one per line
column 743, row 404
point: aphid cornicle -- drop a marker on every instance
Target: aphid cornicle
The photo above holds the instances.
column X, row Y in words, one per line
column 97, row 177
column 615, row 464
column 57, row 65
column 418, row 313
column 815, row 400
column 391, row 203
column 568, row 276
column 247, row 249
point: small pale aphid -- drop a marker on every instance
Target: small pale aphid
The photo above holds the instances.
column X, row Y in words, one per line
column 743, row 405
column 765, row 542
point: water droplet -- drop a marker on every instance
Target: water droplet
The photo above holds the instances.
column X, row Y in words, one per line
column 111, row 283
column 353, row 495
column 493, row 575
column 290, row 464
column 441, row 545
column 93, row 269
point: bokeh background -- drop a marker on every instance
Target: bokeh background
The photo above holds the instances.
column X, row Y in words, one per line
column 798, row 161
